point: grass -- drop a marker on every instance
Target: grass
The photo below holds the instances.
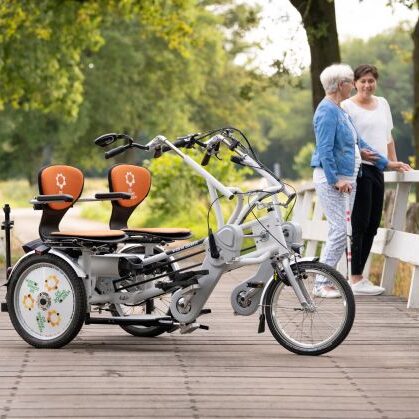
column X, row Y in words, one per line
column 17, row 252
column 16, row 193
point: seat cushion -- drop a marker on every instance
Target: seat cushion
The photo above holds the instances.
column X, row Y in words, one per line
column 163, row 232
column 91, row 234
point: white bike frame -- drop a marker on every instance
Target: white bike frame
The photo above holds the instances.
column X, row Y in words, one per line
column 271, row 246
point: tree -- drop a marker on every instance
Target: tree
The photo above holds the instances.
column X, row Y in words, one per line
column 415, row 37
column 137, row 83
column 415, row 120
column 42, row 43
column 319, row 21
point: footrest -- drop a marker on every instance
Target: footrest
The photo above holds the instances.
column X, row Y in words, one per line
column 205, row 311
column 146, row 320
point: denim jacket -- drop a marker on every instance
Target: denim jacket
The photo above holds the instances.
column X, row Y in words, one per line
column 335, row 148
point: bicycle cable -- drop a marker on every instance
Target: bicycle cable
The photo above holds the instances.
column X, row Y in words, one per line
column 257, row 219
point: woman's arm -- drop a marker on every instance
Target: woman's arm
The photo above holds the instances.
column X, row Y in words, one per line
column 391, row 150
column 325, row 123
column 379, row 160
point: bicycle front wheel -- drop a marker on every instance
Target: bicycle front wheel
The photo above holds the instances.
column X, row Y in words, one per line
column 317, row 329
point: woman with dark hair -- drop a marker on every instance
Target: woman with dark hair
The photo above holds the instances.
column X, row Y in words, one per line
column 371, row 116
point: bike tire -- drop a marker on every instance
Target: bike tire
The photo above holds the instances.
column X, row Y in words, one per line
column 46, row 301
column 286, row 319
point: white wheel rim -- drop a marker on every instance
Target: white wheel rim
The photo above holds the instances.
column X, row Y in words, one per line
column 44, row 301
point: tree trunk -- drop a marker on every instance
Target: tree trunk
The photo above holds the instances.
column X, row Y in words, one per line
column 415, row 37
column 319, row 21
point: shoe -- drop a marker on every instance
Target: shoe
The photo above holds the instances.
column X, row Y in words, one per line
column 325, row 291
column 366, row 287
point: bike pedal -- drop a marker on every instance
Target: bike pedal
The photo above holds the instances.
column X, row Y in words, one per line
column 255, row 284
column 204, row 327
column 4, row 308
column 261, row 327
column 205, row 311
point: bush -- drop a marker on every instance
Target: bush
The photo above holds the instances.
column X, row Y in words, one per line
column 302, row 161
column 179, row 195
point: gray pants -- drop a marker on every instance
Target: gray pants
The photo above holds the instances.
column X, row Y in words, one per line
column 333, row 204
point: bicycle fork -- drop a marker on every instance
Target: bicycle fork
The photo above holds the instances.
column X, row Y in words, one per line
column 298, row 286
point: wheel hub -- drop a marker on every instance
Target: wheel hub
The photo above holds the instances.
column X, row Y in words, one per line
column 183, row 306
column 44, row 301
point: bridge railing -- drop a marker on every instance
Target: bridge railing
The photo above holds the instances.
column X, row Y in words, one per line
column 392, row 241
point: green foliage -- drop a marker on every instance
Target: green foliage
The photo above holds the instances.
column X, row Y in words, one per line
column 302, row 161
column 152, row 75
column 42, row 44
column 180, row 193
column 287, row 125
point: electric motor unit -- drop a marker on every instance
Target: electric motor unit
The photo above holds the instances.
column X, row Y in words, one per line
column 292, row 233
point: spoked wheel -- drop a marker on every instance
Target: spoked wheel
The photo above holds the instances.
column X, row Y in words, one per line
column 158, row 306
column 315, row 330
column 46, row 301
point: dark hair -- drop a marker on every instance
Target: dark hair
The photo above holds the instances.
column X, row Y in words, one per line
column 363, row 69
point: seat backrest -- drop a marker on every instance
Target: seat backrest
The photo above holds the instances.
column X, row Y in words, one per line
column 135, row 180
column 55, row 180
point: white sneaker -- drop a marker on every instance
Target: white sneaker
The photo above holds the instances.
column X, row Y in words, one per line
column 326, row 291
column 366, row 287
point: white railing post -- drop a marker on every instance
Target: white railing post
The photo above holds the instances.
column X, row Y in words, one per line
column 413, row 301
column 395, row 244
column 317, row 216
column 398, row 222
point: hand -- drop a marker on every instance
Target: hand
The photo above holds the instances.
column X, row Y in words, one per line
column 398, row 166
column 368, row 155
column 343, row 186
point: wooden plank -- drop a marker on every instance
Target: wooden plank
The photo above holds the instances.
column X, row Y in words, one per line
column 228, row 371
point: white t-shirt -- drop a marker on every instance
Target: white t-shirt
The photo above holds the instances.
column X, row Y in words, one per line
column 373, row 126
column 318, row 173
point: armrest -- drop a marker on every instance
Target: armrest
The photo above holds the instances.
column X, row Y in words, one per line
column 112, row 195
column 54, row 198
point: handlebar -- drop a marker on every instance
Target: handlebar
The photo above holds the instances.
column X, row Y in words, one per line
column 118, row 150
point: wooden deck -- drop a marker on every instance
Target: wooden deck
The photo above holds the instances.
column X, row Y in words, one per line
column 229, row 371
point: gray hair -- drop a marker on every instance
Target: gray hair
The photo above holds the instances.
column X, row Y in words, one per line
column 335, row 73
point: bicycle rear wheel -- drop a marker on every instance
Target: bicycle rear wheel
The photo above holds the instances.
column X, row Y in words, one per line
column 158, row 306
column 312, row 331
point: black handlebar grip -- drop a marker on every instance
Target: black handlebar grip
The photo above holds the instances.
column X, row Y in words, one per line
column 157, row 152
column 236, row 159
column 116, row 151
column 206, row 159
column 181, row 142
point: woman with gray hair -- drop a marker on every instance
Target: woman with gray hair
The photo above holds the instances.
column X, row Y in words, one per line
column 336, row 161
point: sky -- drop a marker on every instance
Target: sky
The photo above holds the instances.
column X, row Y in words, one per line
column 281, row 30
